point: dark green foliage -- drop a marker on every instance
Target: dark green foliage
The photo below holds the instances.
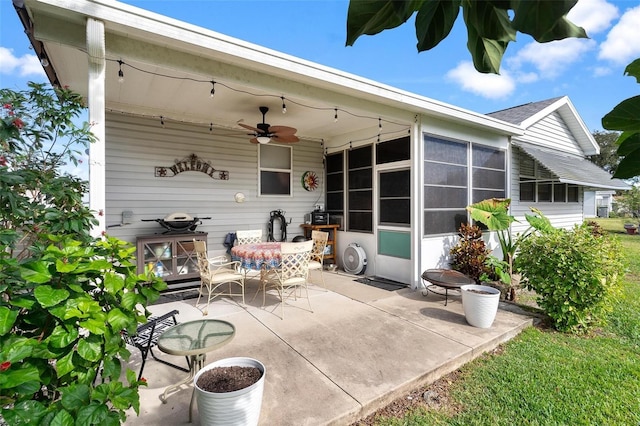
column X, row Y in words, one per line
column 574, row 273
column 470, row 253
column 65, row 296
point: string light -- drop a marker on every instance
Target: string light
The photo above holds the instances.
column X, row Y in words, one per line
column 162, row 121
column 210, row 127
column 335, row 117
column 379, row 128
column 284, row 107
column 120, row 72
column 350, row 146
column 213, row 88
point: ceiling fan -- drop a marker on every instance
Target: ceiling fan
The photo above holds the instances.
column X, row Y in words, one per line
column 264, row 133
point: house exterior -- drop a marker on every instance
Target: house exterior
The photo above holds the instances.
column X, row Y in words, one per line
column 395, row 169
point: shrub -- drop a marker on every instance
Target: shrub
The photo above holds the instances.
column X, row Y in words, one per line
column 65, row 296
column 574, row 274
column 470, row 253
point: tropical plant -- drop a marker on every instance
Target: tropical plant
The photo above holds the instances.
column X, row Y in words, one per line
column 66, row 297
column 625, row 117
column 491, row 25
column 494, row 214
column 575, row 274
column 469, row 254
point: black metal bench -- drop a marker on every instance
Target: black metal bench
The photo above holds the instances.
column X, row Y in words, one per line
column 147, row 335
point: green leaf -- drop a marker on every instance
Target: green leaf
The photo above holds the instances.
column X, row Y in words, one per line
column 18, row 374
column 7, row 319
column 628, row 142
column 63, row 336
column 118, row 319
column 25, row 413
column 493, row 213
column 65, row 365
column 633, row 70
column 629, row 166
column 92, row 414
column 113, row 283
column 546, row 20
column 90, row 349
column 434, row 22
column 62, row 418
column 486, row 53
column 47, row 296
column 94, row 325
column 65, row 267
column 372, row 17
column 75, row 397
column 624, row 117
column 35, row 272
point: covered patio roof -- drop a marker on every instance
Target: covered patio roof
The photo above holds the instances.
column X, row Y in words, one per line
column 170, row 67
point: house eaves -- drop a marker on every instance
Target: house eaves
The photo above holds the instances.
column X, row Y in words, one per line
column 135, row 24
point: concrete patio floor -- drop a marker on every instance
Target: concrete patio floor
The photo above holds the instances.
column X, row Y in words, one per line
column 358, row 350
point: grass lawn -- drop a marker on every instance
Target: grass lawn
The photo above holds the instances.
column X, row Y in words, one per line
column 543, row 377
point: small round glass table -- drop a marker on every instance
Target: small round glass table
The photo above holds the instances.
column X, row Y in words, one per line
column 194, row 339
column 445, row 278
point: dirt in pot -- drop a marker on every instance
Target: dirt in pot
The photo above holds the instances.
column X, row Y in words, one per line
column 479, row 291
column 228, row 379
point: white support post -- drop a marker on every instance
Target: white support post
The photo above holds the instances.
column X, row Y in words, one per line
column 96, row 103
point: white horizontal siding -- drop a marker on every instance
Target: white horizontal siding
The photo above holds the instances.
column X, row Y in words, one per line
column 551, row 132
column 135, row 146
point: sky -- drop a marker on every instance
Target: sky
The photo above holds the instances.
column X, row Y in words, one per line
column 589, row 71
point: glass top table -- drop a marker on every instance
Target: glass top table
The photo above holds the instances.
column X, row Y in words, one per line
column 194, row 339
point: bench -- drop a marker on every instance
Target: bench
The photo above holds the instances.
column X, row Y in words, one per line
column 146, row 338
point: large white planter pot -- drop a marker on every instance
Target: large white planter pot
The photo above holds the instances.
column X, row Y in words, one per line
column 241, row 407
column 480, row 309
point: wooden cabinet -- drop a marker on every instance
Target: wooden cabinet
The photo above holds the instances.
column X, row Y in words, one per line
column 331, row 253
column 171, row 256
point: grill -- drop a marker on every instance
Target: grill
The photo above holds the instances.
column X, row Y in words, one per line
column 178, row 222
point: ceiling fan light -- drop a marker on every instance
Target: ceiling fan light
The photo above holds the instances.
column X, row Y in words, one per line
column 263, row 139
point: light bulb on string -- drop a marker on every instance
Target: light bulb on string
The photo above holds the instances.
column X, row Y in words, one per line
column 210, row 127
column 379, row 128
column 213, row 88
column 120, row 72
column 335, row 117
column 284, row 107
column 162, row 121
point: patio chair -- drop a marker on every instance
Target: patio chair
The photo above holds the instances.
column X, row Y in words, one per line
column 250, row 236
column 316, row 262
column 292, row 275
column 214, row 274
column 146, row 338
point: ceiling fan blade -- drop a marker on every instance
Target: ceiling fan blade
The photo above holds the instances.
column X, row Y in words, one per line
column 282, row 130
column 253, row 129
column 253, row 140
column 285, row 138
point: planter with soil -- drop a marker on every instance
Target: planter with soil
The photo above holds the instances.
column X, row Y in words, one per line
column 229, row 391
column 480, row 304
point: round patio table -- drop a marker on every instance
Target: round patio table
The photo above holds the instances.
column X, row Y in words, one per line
column 257, row 256
column 445, row 278
column 194, row 339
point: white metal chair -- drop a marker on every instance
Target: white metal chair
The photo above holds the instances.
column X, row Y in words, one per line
column 316, row 262
column 250, row 236
column 214, row 272
column 292, row 275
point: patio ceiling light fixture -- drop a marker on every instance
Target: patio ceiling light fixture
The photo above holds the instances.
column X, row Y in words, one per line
column 263, row 139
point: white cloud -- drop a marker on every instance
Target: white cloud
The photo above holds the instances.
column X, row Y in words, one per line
column 24, row 66
column 621, row 45
column 553, row 58
column 593, row 15
column 490, row 86
column 601, row 71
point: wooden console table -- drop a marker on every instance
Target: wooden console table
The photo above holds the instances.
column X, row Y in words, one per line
column 332, row 243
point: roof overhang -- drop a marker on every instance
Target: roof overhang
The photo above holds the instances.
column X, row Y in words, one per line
column 170, row 65
column 573, row 169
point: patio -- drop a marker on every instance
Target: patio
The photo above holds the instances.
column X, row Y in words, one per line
column 361, row 348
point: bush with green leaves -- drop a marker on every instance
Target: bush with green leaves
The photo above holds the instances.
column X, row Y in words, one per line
column 66, row 297
column 574, row 273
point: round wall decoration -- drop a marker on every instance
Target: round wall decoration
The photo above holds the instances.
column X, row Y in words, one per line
column 310, row 181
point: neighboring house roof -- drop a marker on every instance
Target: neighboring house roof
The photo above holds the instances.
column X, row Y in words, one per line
column 530, row 114
column 573, row 169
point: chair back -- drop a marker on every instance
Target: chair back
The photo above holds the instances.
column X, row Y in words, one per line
column 251, row 236
column 200, row 247
column 319, row 239
column 295, row 260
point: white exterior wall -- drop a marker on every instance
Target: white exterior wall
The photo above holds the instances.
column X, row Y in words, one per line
column 135, row 146
column 552, row 132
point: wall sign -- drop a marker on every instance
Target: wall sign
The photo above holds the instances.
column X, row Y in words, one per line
column 192, row 163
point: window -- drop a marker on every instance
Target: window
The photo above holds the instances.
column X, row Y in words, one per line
column 275, row 170
column 393, row 150
column 539, row 185
column 335, row 183
column 457, row 174
column 395, row 197
column 360, row 189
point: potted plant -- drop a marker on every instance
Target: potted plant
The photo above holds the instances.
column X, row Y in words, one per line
column 66, row 296
column 480, row 304
column 631, row 228
column 229, row 391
